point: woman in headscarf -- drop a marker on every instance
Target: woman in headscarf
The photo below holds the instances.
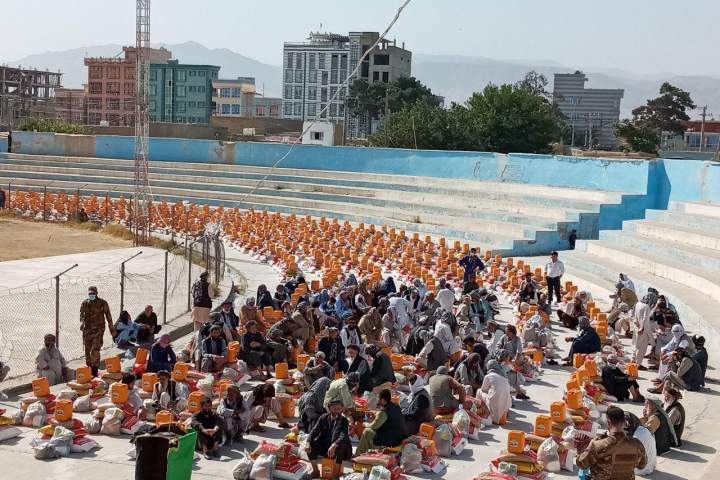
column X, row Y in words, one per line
column 388, row 286
column 259, row 403
column 127, row 331
column 310, row 404
column 264, row 298
column 635, row 429
column 586, row 342
column 371, row 325
column 625, row 281
column 470, row 374
column 496, row 391
column 391, row 332
column 361, row 304
column 420, row 409
column 656, row 419
column 351, row 280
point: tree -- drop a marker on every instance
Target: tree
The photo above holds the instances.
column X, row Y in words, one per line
column 368, row 99
column 641, row 137
column 407, row 91
column 510, row 119
column 666, row 112
column 52, row 125
column 365, row 99
column 420, row 125
column 534, row 83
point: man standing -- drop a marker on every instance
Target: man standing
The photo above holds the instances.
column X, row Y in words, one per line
column 94, row 311
column 612, row 455
column 50, row 362
column 470, row 263
column 202, row 301
column 644, row 330
column 554, row 270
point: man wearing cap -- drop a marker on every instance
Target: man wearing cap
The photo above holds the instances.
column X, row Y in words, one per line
column 202, row 293
column 317, row 368
column 357, row 364
column 330, row 438
column 94, row 312
column 168, row 394
column 471, row 262
column 228, row 320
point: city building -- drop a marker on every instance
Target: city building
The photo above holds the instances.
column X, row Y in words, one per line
column 267, row 106
column 592, row 113
column 314, row 72
column 112, row 87
column 239, row 98
column 26, row 92
column 71, row 105
column 181, row 93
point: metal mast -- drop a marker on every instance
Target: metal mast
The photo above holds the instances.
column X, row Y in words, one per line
column 141, row 196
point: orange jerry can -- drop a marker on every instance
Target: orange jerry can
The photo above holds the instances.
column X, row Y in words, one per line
column 194, row 403
column 558, row 412
column 591, row 368
column 148, row 381
column 632, row 370
column 112, row 364
column 118, row 393
column 516, row 441
column 543, row 426
column 63, row 410
column 302, row 361
column 574, row 399
column 141, row 356
column 83, row 375
column 288, row 408
column 232, row 351
column 41, row 387
column 281, row 370
column 578, row 360
column 327, row 467
column 163, row 417
column 180, row 371
column 427, row 430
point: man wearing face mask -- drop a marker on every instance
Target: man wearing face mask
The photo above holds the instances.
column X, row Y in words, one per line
column 471, row 263
column 50, row 362
column 94, row 312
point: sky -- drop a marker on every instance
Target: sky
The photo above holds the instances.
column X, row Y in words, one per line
column 638, row 36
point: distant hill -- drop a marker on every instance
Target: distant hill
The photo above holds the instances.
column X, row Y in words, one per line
column 469, row 74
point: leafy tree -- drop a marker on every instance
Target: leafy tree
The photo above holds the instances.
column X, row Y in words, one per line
column 366, row 99
column 511, row 119
column 420, row 125
column 666, row 112
column 640, row 136
column 408, row 91
column 534, row 83
column 52, row 125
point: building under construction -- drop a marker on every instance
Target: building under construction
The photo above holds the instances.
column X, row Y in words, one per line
column 26, row 93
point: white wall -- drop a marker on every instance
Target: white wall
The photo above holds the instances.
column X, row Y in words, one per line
column 324, row 130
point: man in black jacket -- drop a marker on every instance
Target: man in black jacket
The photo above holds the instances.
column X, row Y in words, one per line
column 388, row 427
column 329, row 438
column 381, row 371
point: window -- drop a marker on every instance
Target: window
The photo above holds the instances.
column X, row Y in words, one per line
column 298, row 93
column 180, row 119
column 113, row 72
column 334, row 76
column 180, row 107
column 343, row 62
column 152, row 90
column 312, row 93
column 113, row 88
column 192, row 88
column 290, row 60
column 94, row 104
column 225, row 93
column 299, row 60
column 333, row 91
column 114, row 119
column 312, row 76
column 323, row 112
column 201, row 89
column 288, row 76
column 129, row 88
column 312, row 109
column 297, row 109
column 334, row 62
column 94, row 118
column 323, row 94
column 153, row 74
column 324, row 78
column 95, row 87
column 180, row 76
column 321, row 60
column 192, row 73
column 311, row 61
column 200, row 104
column 236, row 109
column 236, row 92
column 318, row 136
column 201, row 73
column 287, row 93
column 298, row 76
column 226, row 109
column 129, row 105
column 381, row 59
column 333, row 110
column 386, row 77
column 191, row 104
column 287, row 109
column 95, row 72
column 376, row 76
column 153, row 105
column 180, row 90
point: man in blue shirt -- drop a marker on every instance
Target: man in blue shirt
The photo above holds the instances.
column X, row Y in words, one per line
column 470, row 263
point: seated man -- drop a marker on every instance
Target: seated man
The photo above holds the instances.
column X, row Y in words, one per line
column 359, row 365
column 209, row 427
column 343, row 389
column 317, row 368
column 528, row 289
column 586, row 342
column 147, row 324
column 134, row 400
column 329, row 438
column 420, row 409
column 382, row 375
column 169, row 394
column 687, row 377
column 259, row 403
column 50, row 362
column 255, row 350
column 279, row 339
column 231, row 410
column 433, row 353
column 619, row 384
column 388, row 427
column 228, row 320
column 162, row 356
column 214, row 350
column 441, row 387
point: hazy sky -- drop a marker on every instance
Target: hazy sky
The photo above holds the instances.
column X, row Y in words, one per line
column 642, row 36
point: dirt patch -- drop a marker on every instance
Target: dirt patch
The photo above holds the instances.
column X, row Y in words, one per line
column 21, row 239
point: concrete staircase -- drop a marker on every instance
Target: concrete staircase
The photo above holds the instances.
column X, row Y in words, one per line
column 676, row 251
column 509, row 218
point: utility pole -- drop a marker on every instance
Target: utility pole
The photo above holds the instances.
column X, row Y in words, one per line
column 702, row 128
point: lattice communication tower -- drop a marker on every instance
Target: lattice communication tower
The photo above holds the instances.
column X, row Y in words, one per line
column 141, row 197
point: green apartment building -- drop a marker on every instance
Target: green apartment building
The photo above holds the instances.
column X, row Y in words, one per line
column 181, row 93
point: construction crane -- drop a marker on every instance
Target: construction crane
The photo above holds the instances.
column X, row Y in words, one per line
column 142, row 195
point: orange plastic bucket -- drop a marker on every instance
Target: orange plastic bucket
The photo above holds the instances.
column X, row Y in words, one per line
column 112, row 364
column 516, row 441
column 148, row 381
column 63, row 410
column 558, row 411
column 83, row 375
column 543, row 426
column 118, row 393
column 41, row 387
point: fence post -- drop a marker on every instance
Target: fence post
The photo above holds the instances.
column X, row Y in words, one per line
column 107, row 205
column 189, row 249
column 45, row 203
column 9, row 202
column 167, row 252
column 122, row 280
column 57, row 304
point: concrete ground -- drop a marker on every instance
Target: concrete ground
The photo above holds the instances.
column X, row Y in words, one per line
column 694, row 460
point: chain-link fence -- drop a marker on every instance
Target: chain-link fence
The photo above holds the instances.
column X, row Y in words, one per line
column 48, row 306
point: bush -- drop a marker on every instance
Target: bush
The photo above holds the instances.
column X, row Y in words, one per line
column 53, row 125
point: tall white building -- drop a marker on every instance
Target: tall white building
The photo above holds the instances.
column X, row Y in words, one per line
column 313, row 72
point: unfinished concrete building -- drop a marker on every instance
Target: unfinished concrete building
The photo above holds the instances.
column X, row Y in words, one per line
column 26, row 93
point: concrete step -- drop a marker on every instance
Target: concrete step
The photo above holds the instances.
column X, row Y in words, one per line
column 430, row 183
column 697, row 208
column 686, row 220
column 702, row 280
column 680, row 236
column 697, row 311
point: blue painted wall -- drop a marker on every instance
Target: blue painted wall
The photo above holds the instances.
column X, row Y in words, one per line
column 3, row 144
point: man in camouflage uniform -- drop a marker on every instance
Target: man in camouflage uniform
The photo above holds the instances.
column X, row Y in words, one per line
column 94, row 311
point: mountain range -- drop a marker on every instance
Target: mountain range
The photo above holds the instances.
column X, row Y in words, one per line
column 469, row 74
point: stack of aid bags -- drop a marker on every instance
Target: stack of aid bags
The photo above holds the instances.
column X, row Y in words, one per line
column 39, row 406
column 516, row 460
